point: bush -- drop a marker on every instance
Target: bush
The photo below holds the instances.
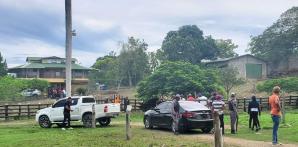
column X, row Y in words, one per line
column 81, row 91
column 10, row 88
column 41, row 85
column 288, row 85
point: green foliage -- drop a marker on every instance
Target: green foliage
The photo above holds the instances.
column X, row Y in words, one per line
column 41, row 85
column 288, row 85
column 188, row 44
column 106, row 71
column 133, row 61
column 226, row 48
column 3, row 66
column 178, row 77
column 279, row 40
column 229, row 78
column 10, row 88
column 81, row 91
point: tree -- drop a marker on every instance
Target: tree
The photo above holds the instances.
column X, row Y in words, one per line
column 41, row 85
column 178, row 77
column 153, row 61
column 105, row 71
column 226, row 48
column 188, row 44
column 10, row 88
column 279, row 41
column 133, row 61
column 229, row 79
column 3, row 66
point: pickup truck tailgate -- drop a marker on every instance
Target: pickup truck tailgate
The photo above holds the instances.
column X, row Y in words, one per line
column 113, row 108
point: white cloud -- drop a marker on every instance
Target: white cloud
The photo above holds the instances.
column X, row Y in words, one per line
column 146, row 19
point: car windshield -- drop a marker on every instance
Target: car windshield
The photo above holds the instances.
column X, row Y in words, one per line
column 192, row 106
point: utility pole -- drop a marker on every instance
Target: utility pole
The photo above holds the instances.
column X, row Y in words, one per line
column 68, row 46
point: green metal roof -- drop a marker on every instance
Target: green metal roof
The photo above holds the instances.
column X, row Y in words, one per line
column 49, row 65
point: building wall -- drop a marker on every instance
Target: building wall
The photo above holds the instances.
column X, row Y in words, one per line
column 241, row 62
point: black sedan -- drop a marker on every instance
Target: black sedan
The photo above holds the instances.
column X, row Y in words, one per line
column 193, row 116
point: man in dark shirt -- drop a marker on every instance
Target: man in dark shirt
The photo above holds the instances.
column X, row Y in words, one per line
column 66, row 113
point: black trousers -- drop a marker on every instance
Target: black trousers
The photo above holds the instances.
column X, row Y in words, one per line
column 222, row 125
column 255, row 120
column 250, row 119
column 66, row 117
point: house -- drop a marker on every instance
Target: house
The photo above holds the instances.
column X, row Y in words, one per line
column 51, row 69
column 249, row 66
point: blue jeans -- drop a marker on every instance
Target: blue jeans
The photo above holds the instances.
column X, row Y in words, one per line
column 275, row 119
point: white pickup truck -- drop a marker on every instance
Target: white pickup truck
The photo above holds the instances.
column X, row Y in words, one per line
column 82, row 111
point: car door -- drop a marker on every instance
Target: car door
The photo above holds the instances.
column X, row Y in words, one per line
column 57, row 110
column 167, row 115
column 155, row 115
column 75, row 114
column 160, row 116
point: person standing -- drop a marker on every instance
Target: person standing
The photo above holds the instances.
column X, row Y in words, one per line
column 218, row 106
column 66, row 113
column 175, row 114
column 254, row 110
column 233, row 113
column 190, row 98
column 275, row 113
column 202, row 100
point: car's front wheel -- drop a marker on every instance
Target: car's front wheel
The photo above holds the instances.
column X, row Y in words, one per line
column 104, row 121
column 147, row 123
column 44, row 121
column 87, row 120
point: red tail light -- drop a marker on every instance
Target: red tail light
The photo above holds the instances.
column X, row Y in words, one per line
column 105, row 109
column 188, row 114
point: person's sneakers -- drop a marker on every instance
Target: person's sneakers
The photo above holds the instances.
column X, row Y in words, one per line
column 70, row 128
column 63, row 129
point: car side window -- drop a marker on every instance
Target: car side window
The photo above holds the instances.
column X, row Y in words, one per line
column 59, row 104
column 164, row 107
column 88, row 100
column 74, row 102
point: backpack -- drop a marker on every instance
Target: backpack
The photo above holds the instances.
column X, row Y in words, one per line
column 231, row 107
column 176, row 106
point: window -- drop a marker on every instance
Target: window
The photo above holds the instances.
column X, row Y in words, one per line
column 164, row 107
column 59, row 103
column 57, row 74
column 88, row 100
column 74, row 101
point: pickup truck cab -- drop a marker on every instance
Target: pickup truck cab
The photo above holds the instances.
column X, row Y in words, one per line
column 82, row 111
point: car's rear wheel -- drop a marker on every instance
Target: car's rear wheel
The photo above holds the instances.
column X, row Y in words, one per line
column 206, row 130
column 44, row 121
column 147, row 123
column 87, row 120
column 104, row 121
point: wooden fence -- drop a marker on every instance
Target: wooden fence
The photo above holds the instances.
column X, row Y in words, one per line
column 290, row 102
column 17, row 111
column 8, row 112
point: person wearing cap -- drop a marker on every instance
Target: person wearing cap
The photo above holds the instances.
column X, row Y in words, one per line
column 202, row 99
column 190, row 98
column 275, row 113
column 218, row 106
column 66, row 113
column 233, row 113
column 211, row 99
column 253, row 111
column 175, row 113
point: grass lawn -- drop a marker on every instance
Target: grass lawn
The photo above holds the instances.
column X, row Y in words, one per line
column 286, row 133
column 28, row 133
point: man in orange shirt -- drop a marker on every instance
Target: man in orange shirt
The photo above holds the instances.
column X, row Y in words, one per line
column 275, row 112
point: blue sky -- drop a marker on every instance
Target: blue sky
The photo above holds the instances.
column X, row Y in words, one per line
column 36, row 27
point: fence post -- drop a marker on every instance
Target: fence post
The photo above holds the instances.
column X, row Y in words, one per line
column 244, row 103
column 135, row 104
column 20, row 111
column 127, row 126
column 93, row 116
column 290, row 102
column 28, row 111
column 283, row 110
column 6, row 111
column 218, row 142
